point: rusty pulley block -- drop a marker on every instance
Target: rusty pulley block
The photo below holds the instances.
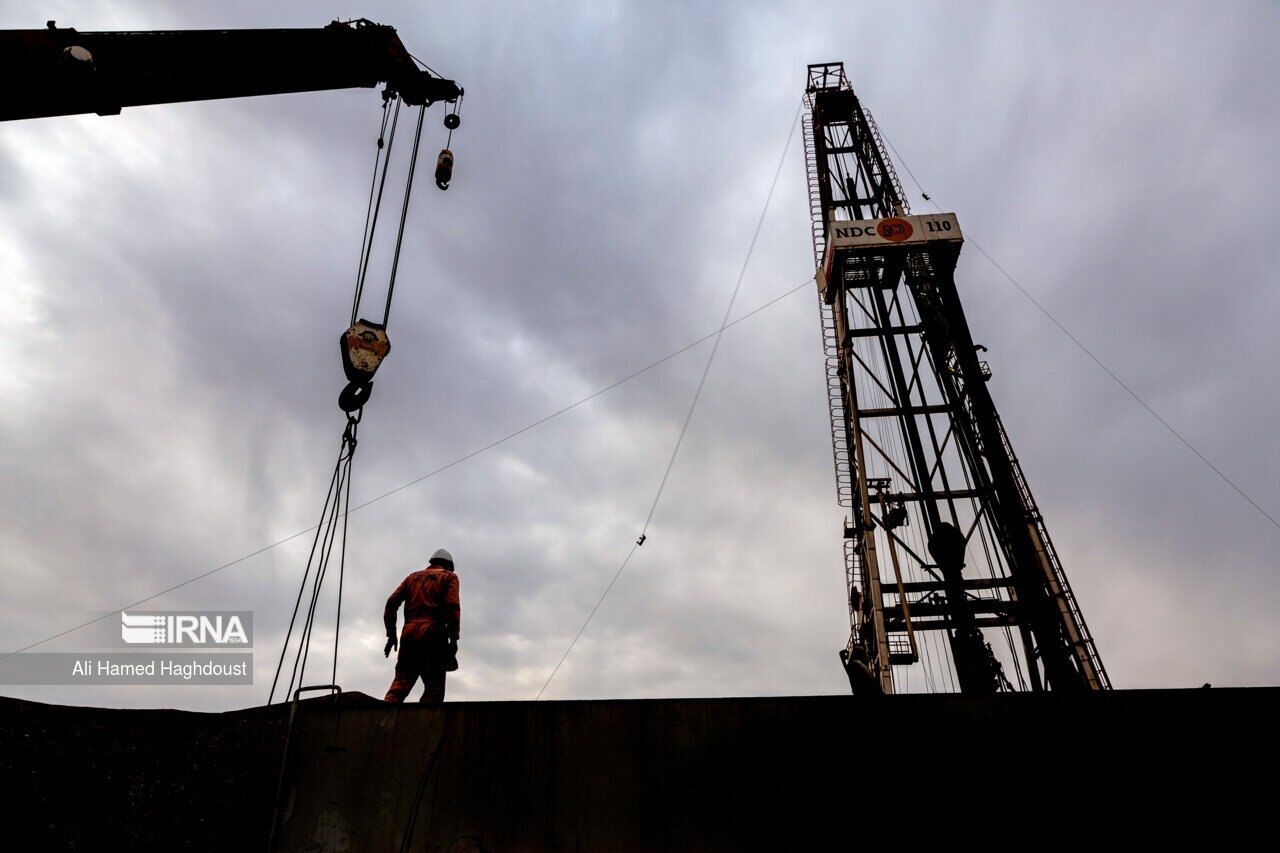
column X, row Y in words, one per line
column 444, row 169
column 364, row 345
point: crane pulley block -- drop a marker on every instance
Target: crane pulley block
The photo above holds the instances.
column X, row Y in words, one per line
column 364, row 345
column 444, row 169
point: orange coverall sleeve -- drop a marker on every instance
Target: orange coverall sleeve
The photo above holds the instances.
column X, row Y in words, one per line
column 453, row 607
column 393, row 605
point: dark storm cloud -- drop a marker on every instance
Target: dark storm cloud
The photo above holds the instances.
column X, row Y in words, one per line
column 175, row 280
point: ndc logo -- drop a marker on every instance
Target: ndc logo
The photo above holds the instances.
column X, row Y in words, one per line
column 185, row 629
column 894, row 230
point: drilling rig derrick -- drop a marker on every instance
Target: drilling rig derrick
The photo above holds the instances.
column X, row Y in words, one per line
column 923, row 463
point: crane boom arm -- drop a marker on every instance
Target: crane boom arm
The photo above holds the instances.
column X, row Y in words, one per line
column 55, row 71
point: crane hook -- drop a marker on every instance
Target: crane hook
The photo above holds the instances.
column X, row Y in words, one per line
column 354, row 396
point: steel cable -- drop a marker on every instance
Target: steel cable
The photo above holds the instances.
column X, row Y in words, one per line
column 1095, row 359
column 367, row 249
column 724, row 324
column 458, row 461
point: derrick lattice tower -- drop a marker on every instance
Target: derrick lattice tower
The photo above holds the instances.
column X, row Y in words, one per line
column 954, row 583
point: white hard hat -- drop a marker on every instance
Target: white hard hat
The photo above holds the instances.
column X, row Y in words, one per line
column 442, row 554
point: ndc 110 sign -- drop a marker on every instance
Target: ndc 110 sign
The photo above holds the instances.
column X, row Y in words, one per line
column 893, row 231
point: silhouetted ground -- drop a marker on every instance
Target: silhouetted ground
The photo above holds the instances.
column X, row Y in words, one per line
column 97, row 778
column 1146, row 769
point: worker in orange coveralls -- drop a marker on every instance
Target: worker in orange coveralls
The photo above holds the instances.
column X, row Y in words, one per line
column 429, row 642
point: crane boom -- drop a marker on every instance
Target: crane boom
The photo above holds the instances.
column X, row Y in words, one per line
column 59, row 71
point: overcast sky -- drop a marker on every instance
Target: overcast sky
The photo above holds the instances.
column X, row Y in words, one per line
column 173, row 282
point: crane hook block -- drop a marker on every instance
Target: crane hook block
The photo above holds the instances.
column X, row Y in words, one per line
column 363, row 346
column 444, row 169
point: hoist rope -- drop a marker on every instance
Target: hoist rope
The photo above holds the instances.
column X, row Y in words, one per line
column 693, row 404
column 367, row 245
column 1084, row 349
column 404, row 214
column 457, row 461
column 336, row 506
column 302, row 588
column 338, row 499
column 373, row 184
column 457, row 113
column 342, row 567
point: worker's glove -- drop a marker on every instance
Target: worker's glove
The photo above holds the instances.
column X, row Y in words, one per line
column 392, row 643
